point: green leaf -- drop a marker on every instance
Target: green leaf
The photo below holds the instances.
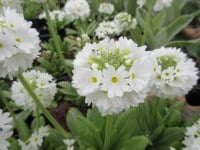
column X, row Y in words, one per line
column 182, row 43
column 72, row 117
column 53, row 140
column 67, row 89
column 95, row 117
column 13, row 144
column 170, row 135
column 87, row 132
column 130, row 6
column 136, row 143
column 145, row 27
column 159, row 19
column 161, row 38
column 84, row 129
column 173, row 118
column 177, row 25
column 124, row 126
column 157, row 132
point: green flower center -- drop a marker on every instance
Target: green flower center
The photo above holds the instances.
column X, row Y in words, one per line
column 124, row 17
column 167, row 61
column 115, row 58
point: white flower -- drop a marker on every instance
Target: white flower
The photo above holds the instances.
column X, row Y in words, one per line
column 36, row 139
column 76, row 9
column 106, row 28
column 141, row 3
column 112, row 75
column 54, row 15
column 192, row 137
column 87, row 80
column 69, row 143
column 106, row 8
column 5, row 129
column 39, row 1
column 19, row 43
column 161, row 4
column 4, row 135
column 115, row 82
column 174, row 74
column 5, row 121
column 125, row 21
column 14, row 4
column 42, row 84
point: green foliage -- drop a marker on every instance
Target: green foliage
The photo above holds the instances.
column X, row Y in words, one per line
column 158, row 127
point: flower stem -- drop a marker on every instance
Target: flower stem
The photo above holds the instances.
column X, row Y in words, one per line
column 41, row 107
column 56, row 39
column 109, row 123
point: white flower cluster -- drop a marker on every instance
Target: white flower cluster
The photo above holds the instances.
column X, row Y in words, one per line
column 159, row 5
column 19, row 43
column 192, row 137
column 39, row 1
column 5, row 129
column 69, row 143
column 77, row 9
column 113, row 75
column 141, row 3
column 116, row 75
column 125, row 21
column 36, row 139
column 122, row 22
column 174, row 74
column 54, row 15
column 42, row 84
column 106, row 28
column 106, row 8
column 14, row 4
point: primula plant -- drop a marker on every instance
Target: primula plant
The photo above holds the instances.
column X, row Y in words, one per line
column 98, row 75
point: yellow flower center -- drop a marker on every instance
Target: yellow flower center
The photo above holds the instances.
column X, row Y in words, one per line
column 114, row 79
column 133, row 76
column 11, row 25
column 18, row 40
column 1, row 45
column 94, row 79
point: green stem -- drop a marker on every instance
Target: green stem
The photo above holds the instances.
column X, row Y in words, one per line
column 41, row 107
column 56, row 39
column 109, row 123
column 37, row 117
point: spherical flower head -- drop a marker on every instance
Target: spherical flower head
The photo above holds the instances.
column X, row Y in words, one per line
column 106, row 8
column 19, row 43
column 125, row 21
column 106, row 28
column 76, row 9
column 161, row 4
column 5, row 129
column 192, row 137
column 174, row 74
column 141, row 3
column 112, row 75
column 54, row 15
column 36, row 139
column 14, row 4
column 43, row 85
